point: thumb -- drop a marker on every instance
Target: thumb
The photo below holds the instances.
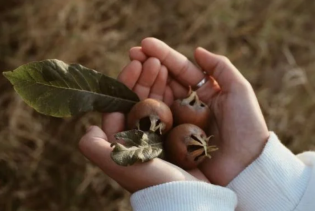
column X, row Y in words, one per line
column 220, row 68
column 96, row 148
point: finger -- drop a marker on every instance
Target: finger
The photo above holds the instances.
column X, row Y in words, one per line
column 208, row 90
column 179, row 91
column 219, row 67
column 150, row 71
column 94, row 146
column 97, row 132
column 112, row 124
column 180, row 67
column 130, row 74
column 136, row 53
column 158, row 88
column 168, row 96
column 198, row 174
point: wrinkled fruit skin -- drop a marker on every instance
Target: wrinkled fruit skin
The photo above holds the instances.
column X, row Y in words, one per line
column 191, row 111
column 155, row 110
column 176, row 146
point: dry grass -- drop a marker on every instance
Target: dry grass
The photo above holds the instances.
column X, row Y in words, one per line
column 271, row 42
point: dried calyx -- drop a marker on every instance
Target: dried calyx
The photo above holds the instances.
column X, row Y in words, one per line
column 151, row 123
column 197, row 147
column 193, row 100
column 187, row 146
column 191, row 110
column 150, row 115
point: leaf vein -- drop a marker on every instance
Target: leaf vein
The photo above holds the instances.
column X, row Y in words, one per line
column 76, row 82
column 87, row 91
column 81, row 74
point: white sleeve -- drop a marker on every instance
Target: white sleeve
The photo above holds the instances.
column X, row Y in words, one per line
column 277, row 181
column 184, row 196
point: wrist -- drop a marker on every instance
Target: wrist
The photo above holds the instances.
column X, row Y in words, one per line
column 228, row 164
column 184, row 195
column 276, row 180
column 252, row 148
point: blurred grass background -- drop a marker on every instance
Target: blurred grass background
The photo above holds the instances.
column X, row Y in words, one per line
column 272, row 42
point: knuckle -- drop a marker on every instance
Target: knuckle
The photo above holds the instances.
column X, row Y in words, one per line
column 83, row 142
column 246, row 85
column 131, row 49
column 184, row 68
column 223, row 62
column 224, row 59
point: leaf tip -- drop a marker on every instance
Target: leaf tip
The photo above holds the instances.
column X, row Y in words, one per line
column 6, row 73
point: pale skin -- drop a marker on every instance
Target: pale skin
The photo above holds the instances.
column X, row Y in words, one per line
column 158, row 71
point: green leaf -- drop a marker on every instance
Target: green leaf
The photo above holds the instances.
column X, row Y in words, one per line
column 139, row 147
column 57, row 89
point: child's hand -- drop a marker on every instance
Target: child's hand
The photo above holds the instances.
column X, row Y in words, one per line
column 239, row 126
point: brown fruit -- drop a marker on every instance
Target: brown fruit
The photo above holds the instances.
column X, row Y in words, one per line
column 150, row 115
column 187, row 146
column 191, row 110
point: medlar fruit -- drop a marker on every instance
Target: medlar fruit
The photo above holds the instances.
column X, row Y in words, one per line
column 150, row 115
column 191, row 110
column 187, row 146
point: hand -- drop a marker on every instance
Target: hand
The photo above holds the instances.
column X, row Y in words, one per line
column 238, row 124
column 147, row 80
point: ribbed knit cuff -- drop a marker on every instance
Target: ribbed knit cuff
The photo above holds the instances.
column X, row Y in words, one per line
column 307, row 202
column 184, row 196
column 277, row 180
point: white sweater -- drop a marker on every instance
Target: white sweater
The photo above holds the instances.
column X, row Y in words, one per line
column 277, row 181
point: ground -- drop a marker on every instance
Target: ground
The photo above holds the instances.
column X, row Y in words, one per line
column 272, row 43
